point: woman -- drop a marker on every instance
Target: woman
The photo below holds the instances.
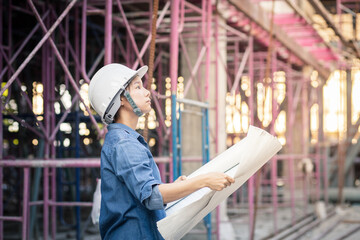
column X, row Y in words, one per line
column 133, row 196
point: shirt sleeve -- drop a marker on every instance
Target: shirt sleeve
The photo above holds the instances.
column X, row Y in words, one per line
column 132, row 166
column 155, row 201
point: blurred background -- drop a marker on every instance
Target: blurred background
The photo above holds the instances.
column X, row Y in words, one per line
column 290, row 67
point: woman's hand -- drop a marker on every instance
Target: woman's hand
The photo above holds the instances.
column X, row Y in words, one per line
column 181, row 178
column 184, row 186
column 217, row 181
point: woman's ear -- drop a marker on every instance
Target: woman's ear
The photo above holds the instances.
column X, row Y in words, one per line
column 123, row 100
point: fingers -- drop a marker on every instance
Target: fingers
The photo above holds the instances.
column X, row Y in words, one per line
column 230, row 179
column 181, row 178
column 218, row 181
column 227, row 181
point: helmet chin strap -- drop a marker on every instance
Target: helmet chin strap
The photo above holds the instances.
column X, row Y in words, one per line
column 136, row 109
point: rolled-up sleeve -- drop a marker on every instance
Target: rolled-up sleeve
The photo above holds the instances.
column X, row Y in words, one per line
column 155, row 201
column 132, row 166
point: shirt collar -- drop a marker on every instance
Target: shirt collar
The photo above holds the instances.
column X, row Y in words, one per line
column 128, row 129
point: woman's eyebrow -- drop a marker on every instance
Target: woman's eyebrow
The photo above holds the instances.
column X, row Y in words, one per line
column 137, row 82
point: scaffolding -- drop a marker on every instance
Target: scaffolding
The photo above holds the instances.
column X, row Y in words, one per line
column 60, row 46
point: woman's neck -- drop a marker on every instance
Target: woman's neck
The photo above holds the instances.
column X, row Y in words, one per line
column 129, row 119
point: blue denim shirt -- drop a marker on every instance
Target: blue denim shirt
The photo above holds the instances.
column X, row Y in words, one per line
column 131, row 203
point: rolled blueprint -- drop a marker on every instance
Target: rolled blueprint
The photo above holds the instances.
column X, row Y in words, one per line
column 240, row 161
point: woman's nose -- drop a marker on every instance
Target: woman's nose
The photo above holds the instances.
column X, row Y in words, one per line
column 147, row 92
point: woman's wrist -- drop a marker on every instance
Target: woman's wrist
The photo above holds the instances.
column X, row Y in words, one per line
column 202, row 181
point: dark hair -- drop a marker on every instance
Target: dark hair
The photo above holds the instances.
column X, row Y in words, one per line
column 117, row 115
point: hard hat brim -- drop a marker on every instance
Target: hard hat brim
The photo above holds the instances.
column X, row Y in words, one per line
column 142, row 71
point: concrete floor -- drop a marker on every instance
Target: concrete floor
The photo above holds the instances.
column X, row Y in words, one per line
column 336, row 225
column 341, row 221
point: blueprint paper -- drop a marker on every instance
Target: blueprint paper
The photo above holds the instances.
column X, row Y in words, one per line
column 240, row 161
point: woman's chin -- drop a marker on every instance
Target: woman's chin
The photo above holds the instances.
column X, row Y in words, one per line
column 147, row 110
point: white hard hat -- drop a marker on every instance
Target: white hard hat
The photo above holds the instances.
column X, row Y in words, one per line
column 106, row 86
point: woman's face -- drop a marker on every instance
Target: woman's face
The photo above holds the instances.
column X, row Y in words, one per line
column 140, row 95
